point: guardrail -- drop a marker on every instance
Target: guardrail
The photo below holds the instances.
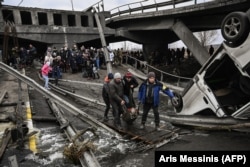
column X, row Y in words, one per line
column 153, row 5
column 99, row 7
column 144, row 67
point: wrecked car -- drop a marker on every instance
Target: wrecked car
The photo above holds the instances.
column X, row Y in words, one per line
column 221, row 87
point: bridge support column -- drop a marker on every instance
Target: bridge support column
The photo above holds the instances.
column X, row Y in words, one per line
column 91, row 21
column 199, row 52
column 78, row 21
column 34, row 17
column 50, row 19
column 65, row 20
column 154, row 49
column 1, row 16
column 17, row 17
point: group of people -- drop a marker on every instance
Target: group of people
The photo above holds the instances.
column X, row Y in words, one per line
column 118, row 91
column 51, row 64
column 55, row 62
column 86, row 60
column 20, row 57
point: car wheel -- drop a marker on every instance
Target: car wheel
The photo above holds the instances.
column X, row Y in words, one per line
column 235, row 28
column 177, row 102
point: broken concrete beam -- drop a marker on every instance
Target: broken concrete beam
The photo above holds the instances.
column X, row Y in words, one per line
column 5, row 140
column 2, row 95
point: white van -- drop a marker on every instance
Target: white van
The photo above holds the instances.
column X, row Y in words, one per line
column 222, row 85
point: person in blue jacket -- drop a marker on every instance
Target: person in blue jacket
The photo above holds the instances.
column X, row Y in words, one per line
column 149, row 96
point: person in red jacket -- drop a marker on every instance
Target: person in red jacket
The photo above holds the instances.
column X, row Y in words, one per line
column 45, row 73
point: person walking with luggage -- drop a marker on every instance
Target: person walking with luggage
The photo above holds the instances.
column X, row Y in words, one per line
column 149, row 96
column 116, row 98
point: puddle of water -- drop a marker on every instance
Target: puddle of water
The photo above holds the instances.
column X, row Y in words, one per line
column 50, row 143
column 109, row 149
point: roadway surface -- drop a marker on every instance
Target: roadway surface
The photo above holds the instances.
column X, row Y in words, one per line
column 189, row 139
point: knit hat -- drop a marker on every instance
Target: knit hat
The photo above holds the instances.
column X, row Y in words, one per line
column 128, row 75
column 110, row 76
column 151, row 74
column 117, row 75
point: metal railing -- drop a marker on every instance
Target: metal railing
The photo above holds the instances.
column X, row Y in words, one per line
column 144, row 5
column 163, row 76
column 98, row 6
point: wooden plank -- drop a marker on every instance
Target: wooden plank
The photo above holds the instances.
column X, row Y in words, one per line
column 2, row 96
column 4, row 118
column 161, row 138
column 148, row 135
column 154, row 136
column 135, row 133
column 13, row 161
column 5, row 140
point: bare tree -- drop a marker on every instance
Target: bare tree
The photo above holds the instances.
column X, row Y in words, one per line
column 207, row 37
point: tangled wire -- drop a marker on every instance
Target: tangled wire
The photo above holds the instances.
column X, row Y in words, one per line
column 75, row 150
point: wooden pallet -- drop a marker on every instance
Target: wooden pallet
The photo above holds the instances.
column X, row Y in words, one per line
column 148, row 135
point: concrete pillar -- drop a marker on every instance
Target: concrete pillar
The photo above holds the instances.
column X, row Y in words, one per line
column 17, row 17
column 1, row 17
column 102, row 19
column 34, row 17
column 199, row 52
column 65, row 20
column 91, row 20
column 50, row 19
column 1, row 24
column 78, row 20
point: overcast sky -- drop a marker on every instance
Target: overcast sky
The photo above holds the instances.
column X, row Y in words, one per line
column 78, row 5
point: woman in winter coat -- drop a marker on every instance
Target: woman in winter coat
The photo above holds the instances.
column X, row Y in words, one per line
column 45, row 73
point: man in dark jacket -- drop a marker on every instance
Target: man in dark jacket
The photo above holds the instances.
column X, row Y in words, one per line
column 105, row 95
column 149, row 96
column 129, row 83
column 56, row 72
column 116, row 98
